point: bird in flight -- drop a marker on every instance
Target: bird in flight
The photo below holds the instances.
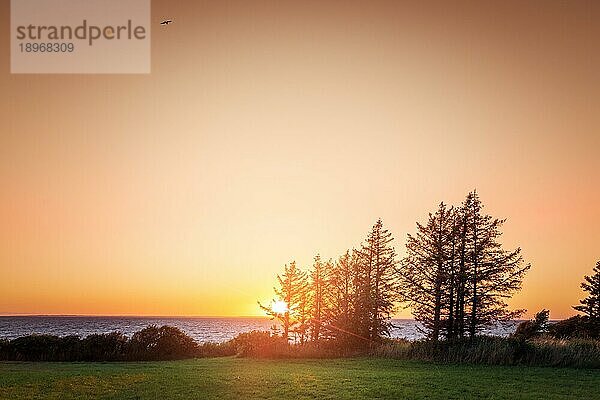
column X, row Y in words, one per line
column 167, row 22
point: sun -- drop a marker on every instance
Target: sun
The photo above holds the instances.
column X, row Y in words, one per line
column 279, row 307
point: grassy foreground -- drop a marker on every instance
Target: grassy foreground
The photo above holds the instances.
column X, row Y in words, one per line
column 239, row 378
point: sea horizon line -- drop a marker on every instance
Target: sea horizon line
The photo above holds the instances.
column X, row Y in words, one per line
column 149, row 316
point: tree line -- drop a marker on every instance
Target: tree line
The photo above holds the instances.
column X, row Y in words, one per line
column 455, row 277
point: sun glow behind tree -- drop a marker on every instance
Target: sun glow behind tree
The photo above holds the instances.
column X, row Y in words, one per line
column 279, row 307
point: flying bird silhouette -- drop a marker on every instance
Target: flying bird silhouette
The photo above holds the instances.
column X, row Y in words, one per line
column 166, row 22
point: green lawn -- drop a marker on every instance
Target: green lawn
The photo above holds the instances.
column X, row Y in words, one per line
column 233, row 378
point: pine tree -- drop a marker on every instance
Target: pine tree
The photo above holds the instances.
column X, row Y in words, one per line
column 292, row 290
column 456, row 275
column 590, row 306
column 319, row 276
column 427, row 273
column 460, row 281
column 303, row 313
column 341, row 296
column 494, row 274
column 377, row 286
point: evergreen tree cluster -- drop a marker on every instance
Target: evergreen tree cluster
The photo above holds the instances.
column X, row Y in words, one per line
column 351, row 299
column 455, row 277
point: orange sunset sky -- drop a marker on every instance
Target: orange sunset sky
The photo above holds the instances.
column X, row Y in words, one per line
column 269, row 131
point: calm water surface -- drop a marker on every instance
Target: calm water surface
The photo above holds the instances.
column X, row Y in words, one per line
column 202, row 329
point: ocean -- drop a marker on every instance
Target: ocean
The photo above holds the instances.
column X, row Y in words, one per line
column 202, row 329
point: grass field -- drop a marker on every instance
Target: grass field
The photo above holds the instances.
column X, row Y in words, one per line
column 236, row 378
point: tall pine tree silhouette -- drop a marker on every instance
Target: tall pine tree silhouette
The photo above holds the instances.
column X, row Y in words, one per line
column 377, row 284
column 590, row 306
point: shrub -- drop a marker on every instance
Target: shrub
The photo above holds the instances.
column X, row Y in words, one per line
column 103, row 347
column 152, row 343
column 575, row 327
column 210, row 349
column 7, row 351
column 260, row 344
column 36, row 348
column 532, row 328
column 164, row 343
column 68, row 348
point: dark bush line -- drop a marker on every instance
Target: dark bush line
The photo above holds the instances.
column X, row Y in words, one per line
column 579, row 326
column 150, row 344
column 261, row 344
column 487, row 350
column 169, row 343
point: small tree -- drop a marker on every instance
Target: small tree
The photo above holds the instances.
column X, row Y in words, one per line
column 590, row 306
column 292, row 288
column 532, row 328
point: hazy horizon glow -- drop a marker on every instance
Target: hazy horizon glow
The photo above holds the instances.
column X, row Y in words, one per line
column 272, row 131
